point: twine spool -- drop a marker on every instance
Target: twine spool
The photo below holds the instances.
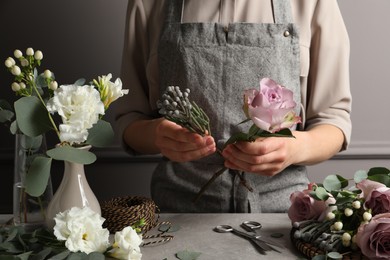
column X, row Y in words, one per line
column 126, row 211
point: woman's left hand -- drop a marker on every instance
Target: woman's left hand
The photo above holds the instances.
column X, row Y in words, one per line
column 265, row 156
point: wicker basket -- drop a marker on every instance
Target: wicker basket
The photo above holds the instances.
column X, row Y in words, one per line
column 311, row 251
column 126, row 211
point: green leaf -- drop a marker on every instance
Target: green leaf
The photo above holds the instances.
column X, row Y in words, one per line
column 43, row 254
column 321, row 193
column 4, row 104
column 6, row 115
column 80, row 82
column 40, row 81
column 13, row 128
column 254, row 130
column 359, row 176
column 77, row 256
column 334, row 182
column 61, row 256
column 385, row 179
column 319, row 257
column 101, row 134
column 187, row 255
column 378, row 170
column 24, row 256
column 72, row 154
column 31, row 116
column 335, row 255
column 38, row 176
column 277, row 235
column 95, row 256
column 169, row 228
column 282, row 133
column 30, row 142
column 237, row 137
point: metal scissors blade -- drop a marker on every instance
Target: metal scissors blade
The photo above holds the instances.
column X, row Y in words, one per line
column 260, row 244
column 254, row 226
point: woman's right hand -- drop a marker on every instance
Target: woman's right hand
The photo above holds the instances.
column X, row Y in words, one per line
column 180, row 145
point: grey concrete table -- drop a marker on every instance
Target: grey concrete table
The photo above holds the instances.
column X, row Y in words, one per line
column 196, row 234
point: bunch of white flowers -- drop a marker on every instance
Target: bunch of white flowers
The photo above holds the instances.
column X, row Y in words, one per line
column 79, row 107
column 82, row 230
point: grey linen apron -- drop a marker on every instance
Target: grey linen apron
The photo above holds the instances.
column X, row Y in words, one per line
column 217, row 64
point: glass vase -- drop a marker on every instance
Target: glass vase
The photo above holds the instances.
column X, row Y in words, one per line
column 73, row 191
column 28, row 211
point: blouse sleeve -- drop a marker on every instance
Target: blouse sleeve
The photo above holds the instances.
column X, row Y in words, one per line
column 136, row 104
column 328, row 87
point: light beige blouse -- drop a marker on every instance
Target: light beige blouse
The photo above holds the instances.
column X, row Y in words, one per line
column 324, row 42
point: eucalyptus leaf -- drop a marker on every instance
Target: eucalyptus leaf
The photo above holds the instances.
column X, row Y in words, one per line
column 335, row 255
column 6, row 115
column 32, row 116
column 187, row 255
column 4, row 104
column 13, row 128
column 169, row 228
column 24, row 256
column 277, row 235
column 95, row 256
column 80, row 82
column 43, row 254
column 360, row 175
column 61, row 256
column 38, row 176
column 334, row 182
column 30, row 142
column 319, row 257
column 40, row 81
column 8, row 257
column 101, row 134
column 77, row 256
column 321, row 193
column 72, row 154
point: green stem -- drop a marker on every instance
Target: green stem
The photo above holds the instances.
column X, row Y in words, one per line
column 49, row 115
column 204, row 187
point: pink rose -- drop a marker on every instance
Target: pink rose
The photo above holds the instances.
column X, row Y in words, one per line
column 304, row 207
column 272, row 107
column 374, row 238
column 376, row 195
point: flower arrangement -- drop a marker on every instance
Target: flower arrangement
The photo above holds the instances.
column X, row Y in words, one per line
column 271, row 108
column 340, row 219
column 78, row 233
column 80, row 106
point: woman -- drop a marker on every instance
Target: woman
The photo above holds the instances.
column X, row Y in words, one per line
column 218, row 48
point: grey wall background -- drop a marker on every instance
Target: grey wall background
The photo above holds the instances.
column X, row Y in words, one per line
column 85, row 39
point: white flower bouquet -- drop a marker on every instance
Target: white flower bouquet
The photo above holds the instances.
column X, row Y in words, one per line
column 80, row 107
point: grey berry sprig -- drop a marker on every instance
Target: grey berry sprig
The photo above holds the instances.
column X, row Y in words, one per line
column 177, row 107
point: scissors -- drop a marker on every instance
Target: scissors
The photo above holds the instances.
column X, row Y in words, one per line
column 254, row 227
column 261, row 245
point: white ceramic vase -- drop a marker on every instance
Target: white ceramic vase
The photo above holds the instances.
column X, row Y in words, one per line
column 74, row 191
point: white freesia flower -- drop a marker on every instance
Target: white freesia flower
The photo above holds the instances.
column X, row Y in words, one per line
column 79, row 107
column 127, row 245
column 110, row 91
column 82, row 230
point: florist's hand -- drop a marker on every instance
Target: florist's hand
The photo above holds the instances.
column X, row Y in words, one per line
column 180, row 145
column 265, row 156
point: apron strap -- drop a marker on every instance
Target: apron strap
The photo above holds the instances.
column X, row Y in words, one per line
column 282, row 11
column 174, row 11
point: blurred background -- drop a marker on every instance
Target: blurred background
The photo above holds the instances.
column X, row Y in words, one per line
column 84, row 39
